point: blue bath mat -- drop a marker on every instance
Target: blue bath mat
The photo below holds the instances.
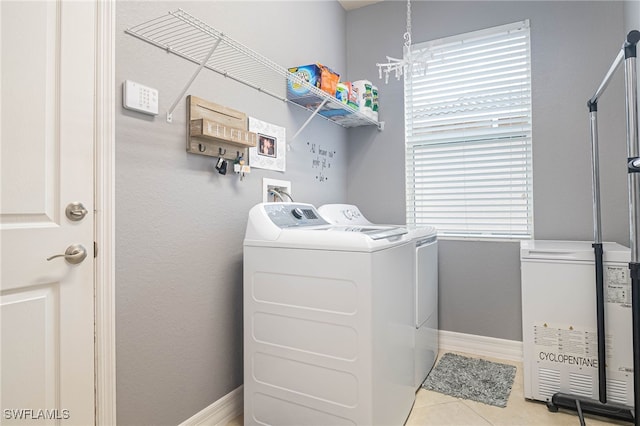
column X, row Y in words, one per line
column 472, row 378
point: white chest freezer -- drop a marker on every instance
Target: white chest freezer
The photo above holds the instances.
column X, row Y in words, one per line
column 559, row 320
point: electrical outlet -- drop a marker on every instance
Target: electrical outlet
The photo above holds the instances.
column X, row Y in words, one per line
column 268, row 196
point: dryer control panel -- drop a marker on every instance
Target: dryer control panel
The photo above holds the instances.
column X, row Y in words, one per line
column 287, row 215
column 343, row 214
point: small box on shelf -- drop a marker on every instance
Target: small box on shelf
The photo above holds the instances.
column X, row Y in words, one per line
column 316, row 75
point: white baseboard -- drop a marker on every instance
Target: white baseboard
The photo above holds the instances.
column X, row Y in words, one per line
column 220, row 412
column 480, row 345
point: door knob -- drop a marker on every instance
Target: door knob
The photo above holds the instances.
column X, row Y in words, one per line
column 74, row 254
column 76, row 211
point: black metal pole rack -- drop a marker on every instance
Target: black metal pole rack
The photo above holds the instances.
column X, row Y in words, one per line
column 574, row 402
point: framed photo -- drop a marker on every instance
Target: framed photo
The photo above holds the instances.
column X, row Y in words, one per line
column 271, row 147
column 267, row 145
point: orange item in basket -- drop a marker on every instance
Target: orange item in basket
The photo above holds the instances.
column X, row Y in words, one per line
column 328, row 80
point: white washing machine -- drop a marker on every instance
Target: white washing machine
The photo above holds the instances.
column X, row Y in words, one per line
column 328, row 335
column 425, row 305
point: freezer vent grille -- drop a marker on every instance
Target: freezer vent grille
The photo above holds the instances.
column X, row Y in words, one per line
column 617, row 391
column 581, row 384
column 548, row 382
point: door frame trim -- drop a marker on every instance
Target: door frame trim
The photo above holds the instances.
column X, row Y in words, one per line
column 104, row 233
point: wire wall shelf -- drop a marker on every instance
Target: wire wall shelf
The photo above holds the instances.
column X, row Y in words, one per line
column 186, row 36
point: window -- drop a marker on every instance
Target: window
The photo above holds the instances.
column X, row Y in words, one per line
column 468, row 135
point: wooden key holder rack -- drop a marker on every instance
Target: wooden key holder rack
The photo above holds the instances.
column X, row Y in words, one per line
column 216, row 130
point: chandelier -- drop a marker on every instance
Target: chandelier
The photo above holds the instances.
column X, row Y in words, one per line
column 404, row 65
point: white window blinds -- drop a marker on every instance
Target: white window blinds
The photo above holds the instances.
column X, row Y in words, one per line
column 468, row 135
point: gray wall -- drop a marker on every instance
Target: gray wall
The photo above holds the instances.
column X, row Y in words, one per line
column 632, row 19
column 573, row 44
column 631, row 15
column 180, row 224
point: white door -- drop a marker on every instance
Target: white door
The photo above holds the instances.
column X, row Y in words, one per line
column 46, row 163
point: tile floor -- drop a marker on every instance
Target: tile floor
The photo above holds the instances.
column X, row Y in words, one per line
column 436, row 409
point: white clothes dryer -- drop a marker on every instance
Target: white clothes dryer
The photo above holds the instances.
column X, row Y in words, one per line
column 328, row 337
column 425, row 304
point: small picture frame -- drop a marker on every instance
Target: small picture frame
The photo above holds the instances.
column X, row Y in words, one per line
column 267, row 145
column 270, row 150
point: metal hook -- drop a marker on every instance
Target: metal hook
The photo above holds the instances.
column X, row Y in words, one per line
column 201, row 148
column 221, row 151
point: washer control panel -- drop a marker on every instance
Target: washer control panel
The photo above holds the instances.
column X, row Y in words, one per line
column 287, row 215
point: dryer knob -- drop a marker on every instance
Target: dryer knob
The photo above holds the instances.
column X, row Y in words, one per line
column 297, row 213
